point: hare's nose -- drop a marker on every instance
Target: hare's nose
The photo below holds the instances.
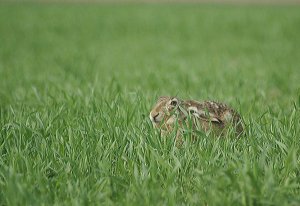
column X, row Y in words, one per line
column 156, row 115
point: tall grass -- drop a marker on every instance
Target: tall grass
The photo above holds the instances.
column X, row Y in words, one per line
column 77, row 84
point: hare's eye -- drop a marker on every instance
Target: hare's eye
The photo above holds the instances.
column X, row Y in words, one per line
column 192, row 110
column 174, row 103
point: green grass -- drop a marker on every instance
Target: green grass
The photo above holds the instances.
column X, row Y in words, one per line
column 77, row 83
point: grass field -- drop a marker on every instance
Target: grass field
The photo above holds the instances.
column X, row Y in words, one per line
column 77, row 83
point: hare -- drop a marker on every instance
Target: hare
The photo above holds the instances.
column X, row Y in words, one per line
column 206, row 116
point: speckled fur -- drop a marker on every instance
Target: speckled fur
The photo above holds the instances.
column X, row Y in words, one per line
column 208, row 116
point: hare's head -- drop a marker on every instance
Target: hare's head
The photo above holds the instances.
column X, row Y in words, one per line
column 165, row 108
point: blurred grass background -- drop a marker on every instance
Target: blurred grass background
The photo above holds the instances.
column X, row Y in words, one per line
column 78, row 80
column 222, row 52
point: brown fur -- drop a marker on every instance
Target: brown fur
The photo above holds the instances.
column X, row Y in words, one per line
column 207, row 116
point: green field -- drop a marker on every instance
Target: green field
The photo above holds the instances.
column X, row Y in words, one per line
column 77, row 82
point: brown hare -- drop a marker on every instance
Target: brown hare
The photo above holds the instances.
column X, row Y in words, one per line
column 190, row 115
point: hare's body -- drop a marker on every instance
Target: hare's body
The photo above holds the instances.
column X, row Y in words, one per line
column 208, row 116
column 215, row 116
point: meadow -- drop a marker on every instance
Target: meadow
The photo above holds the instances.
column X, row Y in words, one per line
column 77, row 82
